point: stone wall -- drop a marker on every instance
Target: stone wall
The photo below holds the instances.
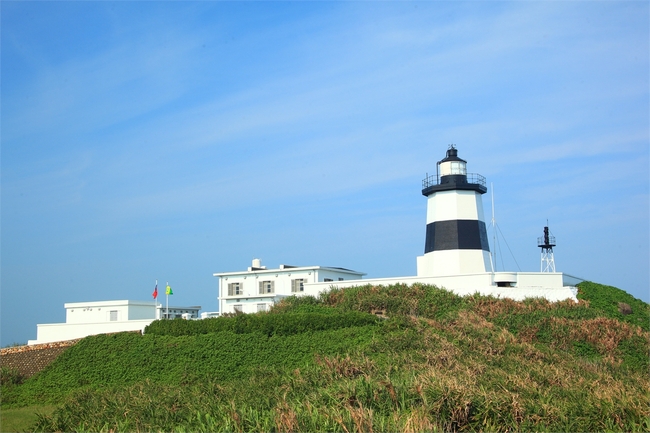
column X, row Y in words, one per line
column 29, row 360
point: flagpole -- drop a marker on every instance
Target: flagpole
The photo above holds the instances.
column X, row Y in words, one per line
column 167, row 300
column 155, row 301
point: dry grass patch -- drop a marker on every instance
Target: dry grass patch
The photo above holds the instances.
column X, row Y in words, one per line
column 605, row 334
column 494, row 307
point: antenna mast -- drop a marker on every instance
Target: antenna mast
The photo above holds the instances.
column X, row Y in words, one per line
column 493, row 256
column 546, row 243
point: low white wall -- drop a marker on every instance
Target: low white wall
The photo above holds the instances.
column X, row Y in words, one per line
column 529, row 285
column 571, row 280
column 142, row 312
column 52, row 332
column 539, row 279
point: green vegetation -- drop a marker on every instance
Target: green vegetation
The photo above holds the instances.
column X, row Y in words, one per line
column 10, row 376
column 438, row 362
column 22, row 418
column 610, row 302
column 267, row 324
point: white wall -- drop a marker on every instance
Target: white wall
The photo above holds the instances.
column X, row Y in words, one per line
column 100, row 311
column 539, row 279
column 250, row 281
column 453, row 262
column 95, row 314
column 529, row 285
column 322, row 274
column 51, row 332
column 249, row 305
column 142, row 312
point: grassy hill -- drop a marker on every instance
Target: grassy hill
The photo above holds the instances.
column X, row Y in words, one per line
column 436, row 362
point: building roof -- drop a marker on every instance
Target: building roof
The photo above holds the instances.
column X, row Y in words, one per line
column 107, row 303
column 124, row 302
column 194, row 307
column 288, row 269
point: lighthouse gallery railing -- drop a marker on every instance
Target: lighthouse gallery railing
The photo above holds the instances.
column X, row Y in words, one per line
column 434, row 180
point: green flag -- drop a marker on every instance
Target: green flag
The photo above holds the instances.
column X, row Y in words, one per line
column 169, row 290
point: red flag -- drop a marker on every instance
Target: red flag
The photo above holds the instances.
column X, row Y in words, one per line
column 155, row 292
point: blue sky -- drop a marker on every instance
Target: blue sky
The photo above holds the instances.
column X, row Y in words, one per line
column 172, row 140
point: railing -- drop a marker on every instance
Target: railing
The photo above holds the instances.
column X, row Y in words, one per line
column 541, row 242
column 434, row 180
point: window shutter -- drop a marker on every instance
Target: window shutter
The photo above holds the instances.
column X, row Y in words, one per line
column 297, row 285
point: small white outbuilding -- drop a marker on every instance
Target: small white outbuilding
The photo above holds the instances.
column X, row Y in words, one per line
column 104, row 317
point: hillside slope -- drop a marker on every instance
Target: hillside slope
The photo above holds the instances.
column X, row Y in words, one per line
column 438, row 362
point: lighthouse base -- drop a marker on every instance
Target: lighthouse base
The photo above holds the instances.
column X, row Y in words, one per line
column 453, row 262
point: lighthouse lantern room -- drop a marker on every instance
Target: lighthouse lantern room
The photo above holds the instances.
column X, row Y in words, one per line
column 456, row 237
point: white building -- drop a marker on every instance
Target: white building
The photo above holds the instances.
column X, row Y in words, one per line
column 103, row 317
column 456, row 255
column 257, row 288
column 178, row 312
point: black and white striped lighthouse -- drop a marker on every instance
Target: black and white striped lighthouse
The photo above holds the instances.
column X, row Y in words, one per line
column 456, row 237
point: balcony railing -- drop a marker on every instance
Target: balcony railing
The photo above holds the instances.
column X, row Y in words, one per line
column 541, row 242
column 434, row 179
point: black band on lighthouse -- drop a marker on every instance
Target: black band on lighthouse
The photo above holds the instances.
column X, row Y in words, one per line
column 456, row 235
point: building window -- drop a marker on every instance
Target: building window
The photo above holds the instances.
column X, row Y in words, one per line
column 267, row 287
column 340, row 279
column 235, row 289
column 261, row 307
column 113, row 316
column 237, row 308
column 298, row 285
column 327, row 280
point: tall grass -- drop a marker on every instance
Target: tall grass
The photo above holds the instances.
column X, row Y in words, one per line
column 357, row 394
column 438, row 363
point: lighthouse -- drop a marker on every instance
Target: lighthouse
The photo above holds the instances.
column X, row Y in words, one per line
column 456, row 237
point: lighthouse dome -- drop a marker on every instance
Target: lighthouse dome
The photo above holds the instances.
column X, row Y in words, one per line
column 452, row 164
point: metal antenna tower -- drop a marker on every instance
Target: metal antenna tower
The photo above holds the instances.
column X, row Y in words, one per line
column 493, row 222
column 546, row 243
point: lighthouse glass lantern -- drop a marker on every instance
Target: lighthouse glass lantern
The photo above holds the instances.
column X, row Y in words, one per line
column 447, row 168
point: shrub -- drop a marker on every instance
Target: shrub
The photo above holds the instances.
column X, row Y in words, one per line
column 11, row 376
column 267, row 324
column 396, row 299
